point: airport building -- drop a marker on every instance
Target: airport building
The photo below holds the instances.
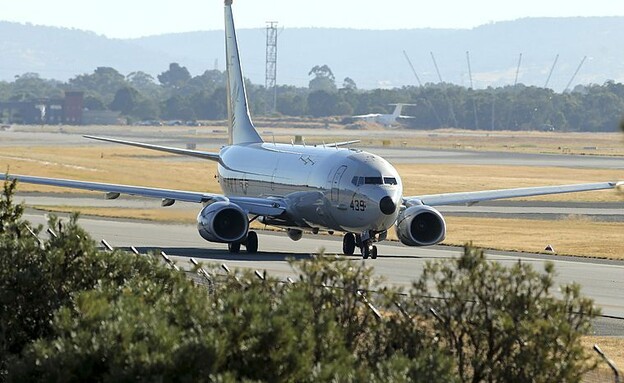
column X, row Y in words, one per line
column 68, row 110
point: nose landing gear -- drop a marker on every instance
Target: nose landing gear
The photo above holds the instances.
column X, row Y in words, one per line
column 369, row 250
column 365, row 242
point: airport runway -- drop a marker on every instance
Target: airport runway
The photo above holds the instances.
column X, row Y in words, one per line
column 601, row 280
column 468, row 157
column 609, row 212
column 392, row 154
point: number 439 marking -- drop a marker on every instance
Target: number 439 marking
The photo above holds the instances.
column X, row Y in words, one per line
column 358, row 205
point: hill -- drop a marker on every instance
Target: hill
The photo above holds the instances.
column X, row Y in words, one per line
column 372, row 58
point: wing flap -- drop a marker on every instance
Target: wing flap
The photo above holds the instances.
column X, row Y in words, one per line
column 488, row 195
column 253, row 205
column 178, row 195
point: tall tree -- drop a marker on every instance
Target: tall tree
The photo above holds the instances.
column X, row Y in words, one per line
column 323, row 78
column 103, row 83
column 176, row 77
column 125, row 100
column 322, row 103
column 349, row 84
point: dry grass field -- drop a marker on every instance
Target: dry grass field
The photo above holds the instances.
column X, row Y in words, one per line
column 573, row 236
column 118, row 164
column 126, row 165
column 317, row 131
column 613, row 347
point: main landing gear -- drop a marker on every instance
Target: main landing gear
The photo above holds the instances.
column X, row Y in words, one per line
column 349, row 242
column 250, row 243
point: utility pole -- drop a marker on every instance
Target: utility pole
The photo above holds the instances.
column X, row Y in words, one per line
column 271, row 63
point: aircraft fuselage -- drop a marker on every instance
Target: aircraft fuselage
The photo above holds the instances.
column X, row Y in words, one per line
column 328, row 188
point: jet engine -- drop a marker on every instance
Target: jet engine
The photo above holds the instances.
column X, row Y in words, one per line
column 295, row 234
column 420, row 226
column 222, row 222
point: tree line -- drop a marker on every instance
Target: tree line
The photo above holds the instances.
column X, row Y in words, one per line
column 175, row 94
column 70, row 312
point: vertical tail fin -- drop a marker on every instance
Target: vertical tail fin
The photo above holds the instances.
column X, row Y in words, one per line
column 240, row 128
column 397, row 110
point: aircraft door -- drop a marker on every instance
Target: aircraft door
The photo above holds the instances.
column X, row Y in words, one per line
column 335, row 186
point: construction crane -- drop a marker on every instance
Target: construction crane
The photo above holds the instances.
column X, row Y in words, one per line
column 412, row 66
column 575, row 73
column 518, row 69
column 552, row 68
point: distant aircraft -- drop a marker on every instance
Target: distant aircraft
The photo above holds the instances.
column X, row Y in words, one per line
column 386, row 120
column 300, row 187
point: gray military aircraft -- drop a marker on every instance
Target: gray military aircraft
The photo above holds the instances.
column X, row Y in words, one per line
column 384, row 119
column 300, row 187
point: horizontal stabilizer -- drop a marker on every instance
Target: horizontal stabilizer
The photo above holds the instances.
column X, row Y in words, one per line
column 184, row 152
column 344, row 143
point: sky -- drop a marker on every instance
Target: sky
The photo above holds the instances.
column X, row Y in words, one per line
column 137, row 18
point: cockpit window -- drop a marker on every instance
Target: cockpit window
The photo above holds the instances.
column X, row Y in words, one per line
column 373, row 180
column 358, row 181
column 390, row 181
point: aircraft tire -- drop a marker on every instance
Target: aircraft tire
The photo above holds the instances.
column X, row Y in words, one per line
column 373, row 252
column 234, row 247
column 348, row 244
column 252, row 242
column 367, row 250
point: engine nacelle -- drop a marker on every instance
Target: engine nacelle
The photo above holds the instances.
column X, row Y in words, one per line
column 222, row 222
column 420, row 226
column 294, row 234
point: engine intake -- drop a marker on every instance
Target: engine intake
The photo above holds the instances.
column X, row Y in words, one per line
column 420, row 226
column 222, row 222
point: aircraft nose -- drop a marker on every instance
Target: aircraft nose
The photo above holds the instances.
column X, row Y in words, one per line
column 387, row 206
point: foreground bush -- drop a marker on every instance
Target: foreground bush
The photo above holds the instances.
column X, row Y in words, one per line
column 503, row 323
column 72, row 313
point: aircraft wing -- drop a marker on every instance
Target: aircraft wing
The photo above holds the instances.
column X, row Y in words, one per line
column 252, row 205
column 471, row 198
column 367, row 115
column 168, row 149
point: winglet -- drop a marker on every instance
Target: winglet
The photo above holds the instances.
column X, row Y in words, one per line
column 241, row 129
